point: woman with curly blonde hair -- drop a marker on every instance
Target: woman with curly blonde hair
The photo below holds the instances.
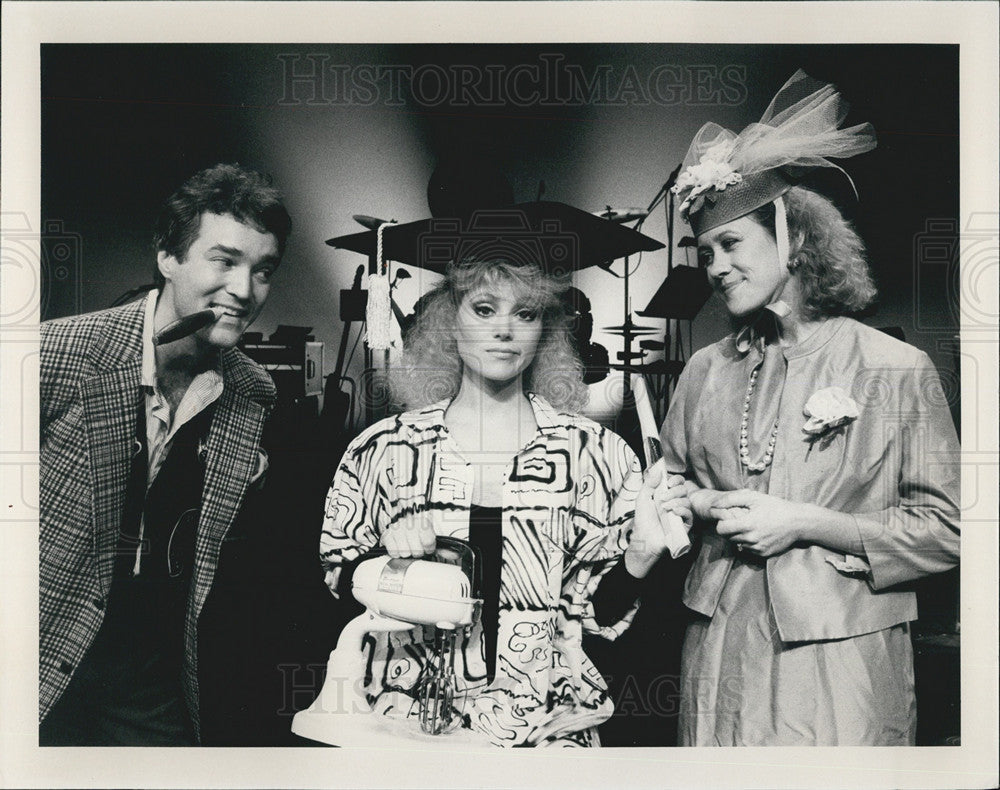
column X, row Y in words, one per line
column 432, row 366
column 492, row 452
column 807, row 440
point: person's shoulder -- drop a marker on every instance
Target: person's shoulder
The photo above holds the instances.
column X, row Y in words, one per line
column 551, row 417
column 886, row 369
column 581, row 423
column 110, row 331
column 429, row 416
column 879, row 347
column 704, row 356
column 89, row 323
column 399, row 427
column 721, row 352
column 248, row 376
column 597, row 435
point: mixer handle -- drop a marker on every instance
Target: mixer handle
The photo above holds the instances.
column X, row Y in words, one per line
column 466, row 556
column 454, row 551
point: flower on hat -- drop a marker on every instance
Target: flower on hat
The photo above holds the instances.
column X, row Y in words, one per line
column 827, row 409
column 713, row 171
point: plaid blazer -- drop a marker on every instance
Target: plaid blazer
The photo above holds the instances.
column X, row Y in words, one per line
column 90, row 395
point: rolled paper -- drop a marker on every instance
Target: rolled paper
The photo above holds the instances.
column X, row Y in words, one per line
column 678, row 542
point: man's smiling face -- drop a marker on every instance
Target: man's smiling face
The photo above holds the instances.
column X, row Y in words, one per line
column 229, row 265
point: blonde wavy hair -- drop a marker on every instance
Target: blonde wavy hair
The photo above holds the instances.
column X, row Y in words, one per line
column 826, row 254
column 431, row 368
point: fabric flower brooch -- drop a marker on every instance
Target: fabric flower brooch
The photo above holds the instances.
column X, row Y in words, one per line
column 712, row 172
column 828, row 409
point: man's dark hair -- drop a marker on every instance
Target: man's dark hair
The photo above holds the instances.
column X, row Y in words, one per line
column 246, row 195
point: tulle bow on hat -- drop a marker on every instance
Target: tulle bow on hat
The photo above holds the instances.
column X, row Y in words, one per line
column 728, row 175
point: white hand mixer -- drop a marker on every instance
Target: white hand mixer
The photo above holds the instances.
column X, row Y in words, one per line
column 400, row 594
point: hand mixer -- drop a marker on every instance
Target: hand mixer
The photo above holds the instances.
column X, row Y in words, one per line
column 400, row 594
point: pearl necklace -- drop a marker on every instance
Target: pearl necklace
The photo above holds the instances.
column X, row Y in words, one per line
column 761, row 465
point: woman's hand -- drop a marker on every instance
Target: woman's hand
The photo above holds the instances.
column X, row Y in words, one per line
column 702, row 500
column 662, row 518
column 672, row 495
column 410, row 537
column 759, row 523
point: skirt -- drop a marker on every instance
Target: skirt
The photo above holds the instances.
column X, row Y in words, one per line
column 742, row 686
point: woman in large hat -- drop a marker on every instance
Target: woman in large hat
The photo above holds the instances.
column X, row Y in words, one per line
column 823, row 453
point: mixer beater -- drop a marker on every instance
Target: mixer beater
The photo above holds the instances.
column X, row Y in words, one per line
column 440, row 590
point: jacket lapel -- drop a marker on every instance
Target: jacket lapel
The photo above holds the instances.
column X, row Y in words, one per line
column 231, row 459
column 233, row 442
column 110, row 403
column 110, row 400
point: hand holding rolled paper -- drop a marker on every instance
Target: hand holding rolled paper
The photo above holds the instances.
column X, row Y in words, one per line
column 661, row 510
column 673, row 497
column 671, row 493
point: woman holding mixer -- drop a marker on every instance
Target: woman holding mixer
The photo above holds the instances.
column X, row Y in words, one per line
column 493, row 452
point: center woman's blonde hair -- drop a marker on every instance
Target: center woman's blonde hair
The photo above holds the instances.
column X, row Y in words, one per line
column 431, row 369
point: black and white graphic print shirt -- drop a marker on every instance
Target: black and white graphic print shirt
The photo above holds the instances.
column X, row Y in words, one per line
column 568, row 504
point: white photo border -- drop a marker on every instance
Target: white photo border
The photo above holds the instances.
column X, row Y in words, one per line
column 973, row 26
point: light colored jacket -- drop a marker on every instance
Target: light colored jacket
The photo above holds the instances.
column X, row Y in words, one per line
column 895, row 469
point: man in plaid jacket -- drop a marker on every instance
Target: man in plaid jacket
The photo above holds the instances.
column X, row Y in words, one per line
column 147, row 452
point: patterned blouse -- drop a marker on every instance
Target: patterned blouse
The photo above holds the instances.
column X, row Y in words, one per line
column 568, row 503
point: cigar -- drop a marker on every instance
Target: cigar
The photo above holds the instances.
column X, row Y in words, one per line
column 188, row 325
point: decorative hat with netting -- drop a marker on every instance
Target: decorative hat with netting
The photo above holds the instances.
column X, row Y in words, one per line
column 727, row 175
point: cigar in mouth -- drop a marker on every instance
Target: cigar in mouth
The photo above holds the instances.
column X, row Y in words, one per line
column 188, row 325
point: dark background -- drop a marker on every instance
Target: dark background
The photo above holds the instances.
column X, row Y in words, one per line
column 124, row 125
